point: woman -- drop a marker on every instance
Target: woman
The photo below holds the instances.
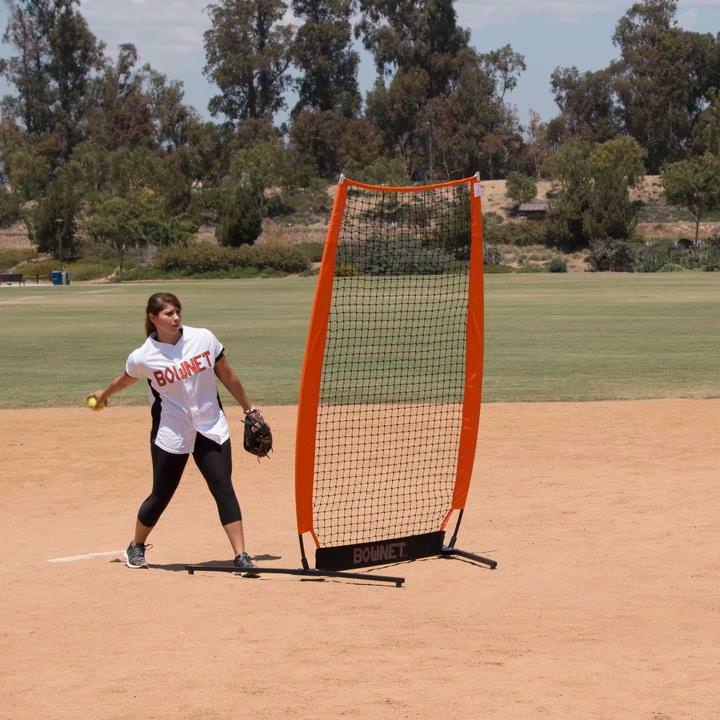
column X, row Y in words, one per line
column 180, row 364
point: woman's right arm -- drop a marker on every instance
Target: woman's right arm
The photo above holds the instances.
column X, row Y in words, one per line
column 118, row 384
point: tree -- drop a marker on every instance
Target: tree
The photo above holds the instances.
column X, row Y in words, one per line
column 28, row 171
column 519, row 187
column 205, row 156
column 240, row 220
column 656, row 91
column 695, row 185
column 134, row 105
column 94, row 170
column 413, row 34
column 468, row 130
column 323, row 54
column 52, row 223
column 395, row 111
column 26, row 71
column 360, row 145
column 537, row 147
column 57, row 56
column 316, row 135
column 706, row 133
column 248, row 54
column 436, row 100
column 503, row 66
column 623, row 156
column 664, row 79
column 566, row 211
column 171, row 117
column 593, row 202
column 587, row 102
column 11, row 138
column 331, row 143
column 133, row 221
column 415, row 46
column 120, row 109
column 268, row 165
column 615, row 166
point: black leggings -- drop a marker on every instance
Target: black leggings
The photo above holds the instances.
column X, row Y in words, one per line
column 214, row 462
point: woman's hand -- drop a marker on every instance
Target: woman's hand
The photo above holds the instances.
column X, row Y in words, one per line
column 119, row 383
column 101, row 399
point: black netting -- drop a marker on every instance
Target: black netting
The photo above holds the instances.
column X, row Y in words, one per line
column 393, row 374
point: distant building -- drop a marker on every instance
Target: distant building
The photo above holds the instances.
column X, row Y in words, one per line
column 534, row 210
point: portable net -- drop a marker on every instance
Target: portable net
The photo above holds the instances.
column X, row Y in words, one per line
column 390, row 399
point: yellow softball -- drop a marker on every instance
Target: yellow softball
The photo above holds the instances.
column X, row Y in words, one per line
column 92, row 403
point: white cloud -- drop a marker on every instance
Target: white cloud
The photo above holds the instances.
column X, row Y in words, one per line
column 699, row 15
column 482, row 13
column 688, row 19
column 158, row 28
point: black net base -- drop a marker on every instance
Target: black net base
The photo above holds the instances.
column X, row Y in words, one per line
column 383, row 552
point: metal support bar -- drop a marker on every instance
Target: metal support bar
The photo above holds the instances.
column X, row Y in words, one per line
column 453, row 539
column 304, row 572
column 303, row 558
column 449, row 551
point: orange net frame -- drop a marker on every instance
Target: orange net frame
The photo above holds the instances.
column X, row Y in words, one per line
column 392, row 378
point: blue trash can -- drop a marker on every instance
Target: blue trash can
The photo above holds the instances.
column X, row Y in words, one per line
column 60, row 277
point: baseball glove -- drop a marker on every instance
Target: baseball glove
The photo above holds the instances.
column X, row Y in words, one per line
column 257, row 438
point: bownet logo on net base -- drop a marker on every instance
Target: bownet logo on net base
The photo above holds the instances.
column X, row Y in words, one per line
column 386, row 552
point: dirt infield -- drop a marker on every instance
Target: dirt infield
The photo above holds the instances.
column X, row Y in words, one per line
column 603, row 517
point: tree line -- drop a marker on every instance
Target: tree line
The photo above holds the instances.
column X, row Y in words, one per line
column 109, row 145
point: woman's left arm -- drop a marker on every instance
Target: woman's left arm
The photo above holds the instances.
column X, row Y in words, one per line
column 228, row 377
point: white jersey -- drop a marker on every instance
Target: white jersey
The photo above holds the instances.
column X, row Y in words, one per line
column 183, row 393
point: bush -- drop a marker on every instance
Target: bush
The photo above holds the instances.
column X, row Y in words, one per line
column 612, row 256
column 404, row 256
column 710, row 255
column 516, row 233
column 41, row 268
column 498, row 269
column 10, row 258
column 91, row 268
column 275, row 257
column 313, row 251
column 653, row 257
column 671, row 267
column 531, row 268
column 346, row 270
column 145, row 272
column 492, row 256
column 208, row 260
column 557, row 265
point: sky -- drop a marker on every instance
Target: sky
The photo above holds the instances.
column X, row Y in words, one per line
column 549, row 33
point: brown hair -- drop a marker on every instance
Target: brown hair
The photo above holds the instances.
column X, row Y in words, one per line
column 155, row 304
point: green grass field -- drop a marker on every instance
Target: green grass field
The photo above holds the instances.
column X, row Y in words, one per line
column 548, row 337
